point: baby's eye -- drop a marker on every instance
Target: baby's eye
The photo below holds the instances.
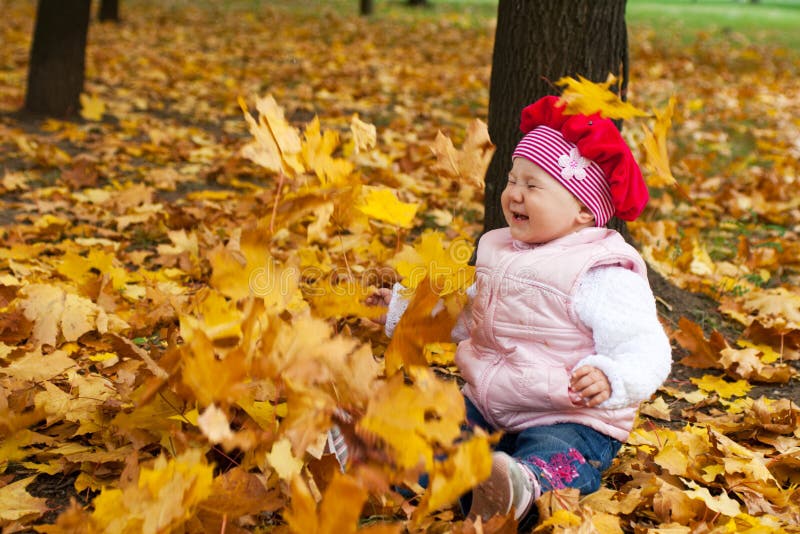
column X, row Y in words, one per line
column 531, row 186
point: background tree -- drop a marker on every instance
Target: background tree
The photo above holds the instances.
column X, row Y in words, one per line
column 58, row 57
column 366, row 7
column 536, row 43
column 109, row 11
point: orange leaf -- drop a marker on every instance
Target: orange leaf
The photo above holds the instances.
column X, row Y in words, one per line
column 704, row 354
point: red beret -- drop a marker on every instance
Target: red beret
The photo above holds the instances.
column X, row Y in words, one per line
column 598, row 140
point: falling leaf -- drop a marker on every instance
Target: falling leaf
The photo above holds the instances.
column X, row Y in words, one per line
column 364, row 134
column 585, row 97
column 214, row 424
column 283, row 461
column 276, row 145
column 470, row 163
column 655, row 148
column 383, row 205
column 413, row 419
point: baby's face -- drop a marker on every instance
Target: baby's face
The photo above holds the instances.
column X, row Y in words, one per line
column 537, row 208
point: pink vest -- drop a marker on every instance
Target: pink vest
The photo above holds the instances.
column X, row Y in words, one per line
column 525, row 338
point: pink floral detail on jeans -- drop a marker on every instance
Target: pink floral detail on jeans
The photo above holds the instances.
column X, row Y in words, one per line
column 561, row 469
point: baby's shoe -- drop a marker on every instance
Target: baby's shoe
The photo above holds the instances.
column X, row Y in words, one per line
column 510, row 485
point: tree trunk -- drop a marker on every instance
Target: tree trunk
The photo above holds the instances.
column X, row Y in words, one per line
column 58, row 57
column 109, row 11
column 366, row 7
column 536, row 43
column 418, row 2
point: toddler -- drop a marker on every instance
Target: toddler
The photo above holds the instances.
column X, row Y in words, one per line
column 561, row 341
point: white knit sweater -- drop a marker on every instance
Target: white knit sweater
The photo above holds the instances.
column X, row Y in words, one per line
column 632, row 349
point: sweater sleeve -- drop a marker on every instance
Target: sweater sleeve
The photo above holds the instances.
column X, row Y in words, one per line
column 399, row 303
column 397, row 307
column 631, row 347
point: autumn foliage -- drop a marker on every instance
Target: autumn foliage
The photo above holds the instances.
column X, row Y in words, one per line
column 183, row 276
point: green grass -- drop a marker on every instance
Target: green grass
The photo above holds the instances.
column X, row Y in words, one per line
column 775, row 22
column 767, row 22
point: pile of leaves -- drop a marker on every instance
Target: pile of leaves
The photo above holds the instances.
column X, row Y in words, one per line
column 183, row 281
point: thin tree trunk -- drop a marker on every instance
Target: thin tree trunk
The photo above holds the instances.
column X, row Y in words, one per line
column 536, row 43
column 366, row 7
column 109, row 11
column 58, row 57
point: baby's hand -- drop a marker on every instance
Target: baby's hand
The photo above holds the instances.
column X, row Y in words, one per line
column 381, row 297
column 591, row 384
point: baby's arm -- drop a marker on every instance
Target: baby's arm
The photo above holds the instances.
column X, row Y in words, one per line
column 633, row 351
column 397, row 304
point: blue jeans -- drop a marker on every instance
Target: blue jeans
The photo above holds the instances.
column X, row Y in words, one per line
column 563, row 455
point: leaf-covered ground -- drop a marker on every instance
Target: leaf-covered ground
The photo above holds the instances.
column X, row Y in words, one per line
column 175, row 338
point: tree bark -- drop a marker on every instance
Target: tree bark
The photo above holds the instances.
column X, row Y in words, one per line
column 109, row 11
column 58, row 57
column 536, row 43
column 366, row 7
column 418, row 2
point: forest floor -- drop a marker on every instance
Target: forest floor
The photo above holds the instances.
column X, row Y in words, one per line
column 149, row 179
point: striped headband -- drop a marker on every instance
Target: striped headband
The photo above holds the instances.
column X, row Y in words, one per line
column 582, row 177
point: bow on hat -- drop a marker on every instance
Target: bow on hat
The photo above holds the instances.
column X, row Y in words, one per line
column 599, row 140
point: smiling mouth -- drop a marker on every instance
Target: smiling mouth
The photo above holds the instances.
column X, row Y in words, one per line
column 519, row 216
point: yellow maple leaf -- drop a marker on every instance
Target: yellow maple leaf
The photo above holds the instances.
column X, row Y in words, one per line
column 470, row 464
column 16, row 503
column 35, row 366
column 586, row 97
column 418, row 327
column 720, row 386
column 561, row 518
column 317, row 150
column 276, row 145
column 776, row 308
column 768, row 354
column 208, row 377
column 14, row 181
column 220, row 318
column 214, row 424
column 92, row 108
column 364, row 134
column 245, row 267
column 655, row 148
column 341, row 300
column 470, row 163
column 382, row 204
column 338, row 512
column 283, row 461
column 721, row 504
column 658, row 409
column 54, row 311
column 673, row 458
column 165, row 496
column 746, row 364
column 445, row 265
column 413, row 419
